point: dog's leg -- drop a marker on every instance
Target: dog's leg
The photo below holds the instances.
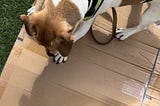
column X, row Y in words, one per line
column 37, row 6
column 150, row 16
column 83, row 28
column 85, row 25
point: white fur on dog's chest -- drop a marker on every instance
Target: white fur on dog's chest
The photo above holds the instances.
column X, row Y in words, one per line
column 56, row 2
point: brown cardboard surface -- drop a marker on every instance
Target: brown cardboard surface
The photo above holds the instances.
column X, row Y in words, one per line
column 111, row 63
column 94, row 75
column 130, row 17
column 30, row 89
column 9, row 67
column 155, row 82
column 151, row 102
column 151, row 35
column 65, row 74
column 143, row 50
column 95, row 81
column 28, row 61
column 157, row 68
column 33, row 62
column 16, row 51
column 125, row 52
column 59, row 96
column 153, row 93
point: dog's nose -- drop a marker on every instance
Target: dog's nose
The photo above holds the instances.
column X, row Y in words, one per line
column 49, row 53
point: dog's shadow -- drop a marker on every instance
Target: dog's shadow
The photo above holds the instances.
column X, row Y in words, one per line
column 41, row 90
column 33, row 100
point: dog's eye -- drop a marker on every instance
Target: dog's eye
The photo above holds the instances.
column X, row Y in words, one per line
column 70, row 31
column 34, row 31
column 62, row 38
column 34, row 27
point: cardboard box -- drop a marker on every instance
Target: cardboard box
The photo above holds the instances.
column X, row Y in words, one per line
column 117, row 74
column 22, row 43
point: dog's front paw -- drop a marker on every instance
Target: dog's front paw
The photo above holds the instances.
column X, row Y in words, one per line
column 122, row 34
column 59, row 58
column 31, row 10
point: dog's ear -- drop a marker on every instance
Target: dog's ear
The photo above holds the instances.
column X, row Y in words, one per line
column 23, row 18
column 30, row 27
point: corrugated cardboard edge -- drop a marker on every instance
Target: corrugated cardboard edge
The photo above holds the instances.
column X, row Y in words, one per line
column 2, row 87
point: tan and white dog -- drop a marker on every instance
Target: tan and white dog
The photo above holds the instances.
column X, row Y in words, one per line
column 57, row 24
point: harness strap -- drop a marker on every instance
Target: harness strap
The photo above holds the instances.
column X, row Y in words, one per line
column 89, row 2
column 93, row 8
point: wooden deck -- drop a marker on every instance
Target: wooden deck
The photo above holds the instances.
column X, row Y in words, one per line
column 94, row 75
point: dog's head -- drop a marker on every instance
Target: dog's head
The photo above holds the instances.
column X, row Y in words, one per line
column 52, row 32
